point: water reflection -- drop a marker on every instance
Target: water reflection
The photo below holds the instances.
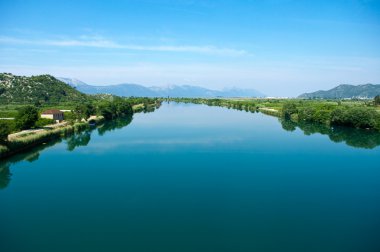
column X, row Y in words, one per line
column 114, row 124
column 352, row 137
column 76, row 140
column 5, row 176
column 358, row 138
column 79, row 139
column 30, row 156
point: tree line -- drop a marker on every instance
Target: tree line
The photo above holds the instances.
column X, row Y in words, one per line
column 363, row 117
column 28, row 117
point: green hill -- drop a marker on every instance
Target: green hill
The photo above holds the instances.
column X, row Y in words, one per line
column 345, row 91
column 41, row 88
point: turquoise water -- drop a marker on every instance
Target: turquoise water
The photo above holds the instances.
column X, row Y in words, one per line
column 194, row 178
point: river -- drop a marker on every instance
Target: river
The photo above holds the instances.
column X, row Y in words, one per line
column 195, row 178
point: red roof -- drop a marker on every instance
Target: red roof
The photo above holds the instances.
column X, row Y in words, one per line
column 52, row 111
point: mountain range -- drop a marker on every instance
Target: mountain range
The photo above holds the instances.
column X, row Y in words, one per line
column 48, row 89
column 345, row 91
column 188, row 91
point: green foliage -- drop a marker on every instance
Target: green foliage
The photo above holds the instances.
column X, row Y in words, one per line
column 5, row 130
column 350, row 113
column 377, row 100
column 37, row 90
column 69, row 117
column 358, row 117
column 112, row 109
column 288, row 109
column 43, row 122
column 84, row 111
column 319, row 114
column 241, row 104
column 26, row 118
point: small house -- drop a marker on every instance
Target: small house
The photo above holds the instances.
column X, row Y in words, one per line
column 54, row 114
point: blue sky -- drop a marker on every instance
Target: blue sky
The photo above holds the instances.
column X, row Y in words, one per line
column 280, row 47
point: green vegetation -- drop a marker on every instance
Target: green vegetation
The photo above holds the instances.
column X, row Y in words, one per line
column 239, row 104
column 364, row 117
column 26, row 118
column 361, row 114
column 36, row 90
column 24, row 99
column 289, row 109
column 5, row 130
column 116, row 108
column 377, row 100
column 41, row 122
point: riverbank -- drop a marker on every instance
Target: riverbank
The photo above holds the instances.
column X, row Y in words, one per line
column 346, row 113
column 26, row 139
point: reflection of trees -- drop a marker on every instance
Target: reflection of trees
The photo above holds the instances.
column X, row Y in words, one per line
column 149, row 108
column 117, row 123
column 288, row 125
column 5, row 176
column 358, row 138
column 30, row 155
column 78, row 139
column 73, row 141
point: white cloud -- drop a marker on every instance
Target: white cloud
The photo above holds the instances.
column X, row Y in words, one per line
column 100, row 42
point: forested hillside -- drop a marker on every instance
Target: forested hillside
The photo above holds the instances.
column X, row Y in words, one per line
column 36, row 89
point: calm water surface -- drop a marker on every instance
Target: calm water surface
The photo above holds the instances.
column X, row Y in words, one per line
column 192, row 178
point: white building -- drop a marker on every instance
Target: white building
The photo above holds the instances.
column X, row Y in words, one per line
column 54, row 114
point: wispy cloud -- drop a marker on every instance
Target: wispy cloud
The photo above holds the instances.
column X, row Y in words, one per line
column 100, row 42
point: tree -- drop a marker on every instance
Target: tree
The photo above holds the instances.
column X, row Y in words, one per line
column 27, row 117
column 5, row 130
column 288, row 109
column 84, row 111
column 377, row 100
column 358, row 117
column 70, row 118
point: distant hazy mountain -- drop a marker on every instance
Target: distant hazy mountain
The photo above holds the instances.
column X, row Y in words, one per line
column 172, row 91
column 345, row 91
column 71, row 82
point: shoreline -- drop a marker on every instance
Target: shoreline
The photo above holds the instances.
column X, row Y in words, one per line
column 27, row 139
column 21, row 143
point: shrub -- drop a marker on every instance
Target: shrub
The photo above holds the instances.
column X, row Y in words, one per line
column 5, row 130
column 288, row 109
column 26, row 117
column 43, row 122
column 377, row 100
column 358, row 117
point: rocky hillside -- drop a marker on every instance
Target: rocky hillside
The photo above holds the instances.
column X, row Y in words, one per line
column 345, row 91
column 41, row 88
